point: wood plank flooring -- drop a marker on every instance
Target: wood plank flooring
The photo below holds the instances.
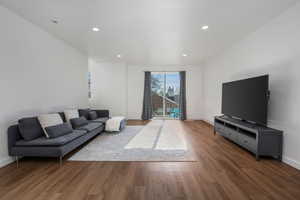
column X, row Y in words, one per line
column 223, row 171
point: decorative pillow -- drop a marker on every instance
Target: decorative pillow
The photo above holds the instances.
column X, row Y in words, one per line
column 58, row 130
column 84, row 112
column 70, row 114
column 49, row 120
column 30, row 128
column 78, row 122
column 93, row 115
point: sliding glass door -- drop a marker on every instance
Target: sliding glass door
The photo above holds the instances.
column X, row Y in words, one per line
column 165, row 94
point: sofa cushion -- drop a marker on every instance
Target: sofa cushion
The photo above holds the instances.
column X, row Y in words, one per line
column 30, row 128
column 71, row 114
column 47, row 120
column 78, row 122
column 62, row 115
column 59, row 141
column 93, row 115
column 90, row 127
column 59, row 130
column 84, row 113
column 100, row 120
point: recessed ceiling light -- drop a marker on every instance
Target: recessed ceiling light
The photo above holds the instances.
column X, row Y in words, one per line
column 95, row 29
column 119, row 56
column 54, row 21
column 184, row 55
column 204, row 27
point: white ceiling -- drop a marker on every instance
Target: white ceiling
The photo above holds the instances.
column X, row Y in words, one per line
column 152, row 32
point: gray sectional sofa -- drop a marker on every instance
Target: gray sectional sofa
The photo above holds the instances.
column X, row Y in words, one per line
column 36, row 144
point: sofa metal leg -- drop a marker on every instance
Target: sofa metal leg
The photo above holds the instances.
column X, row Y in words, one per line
column 17, row 161
column 60, row 161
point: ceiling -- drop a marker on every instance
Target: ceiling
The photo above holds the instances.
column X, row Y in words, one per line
column 151, row 32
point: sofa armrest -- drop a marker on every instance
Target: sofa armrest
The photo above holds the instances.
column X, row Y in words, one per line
column 13, row 135
column 102, row 113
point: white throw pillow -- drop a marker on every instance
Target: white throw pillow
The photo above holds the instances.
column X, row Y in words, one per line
column 49, row 120
column 70, row 114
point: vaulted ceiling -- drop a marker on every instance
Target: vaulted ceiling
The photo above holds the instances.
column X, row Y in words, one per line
column 152, row 32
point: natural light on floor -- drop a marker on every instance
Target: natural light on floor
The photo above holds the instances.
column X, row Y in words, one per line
column 160, row 135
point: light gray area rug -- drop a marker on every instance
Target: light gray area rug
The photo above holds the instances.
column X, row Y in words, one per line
column 136, row 143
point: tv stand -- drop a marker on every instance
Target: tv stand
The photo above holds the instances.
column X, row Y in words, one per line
column 260, row 140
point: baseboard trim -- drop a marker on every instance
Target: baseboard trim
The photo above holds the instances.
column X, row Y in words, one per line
column 208, row 122
column 291, row 162
column 6, row 161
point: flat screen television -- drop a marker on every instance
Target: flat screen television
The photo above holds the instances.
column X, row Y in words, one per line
column 247, row 99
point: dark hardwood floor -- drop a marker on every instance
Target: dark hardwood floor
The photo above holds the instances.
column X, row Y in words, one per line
column 223, row 171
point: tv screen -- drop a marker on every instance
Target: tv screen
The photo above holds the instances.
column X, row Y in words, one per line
column 247, row 99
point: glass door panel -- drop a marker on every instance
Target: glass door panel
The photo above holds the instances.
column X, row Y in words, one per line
column 157, row 88
column 165, row 94
column 172, row 88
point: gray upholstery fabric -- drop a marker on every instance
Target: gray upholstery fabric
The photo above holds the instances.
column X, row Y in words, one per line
column 30, row 128
column 52, row 151
column 182, row 95
column 78, row 122
column 63, row 117
column 93, row 115
column 100, row 120
column 90, row 126
column 13, row 135
column 58, row 130
column 147, row 102
column 84, row 113
column 53, row 147
column 102, row 113
column 59, row 141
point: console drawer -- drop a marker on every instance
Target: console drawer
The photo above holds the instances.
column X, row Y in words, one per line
column 248, row 142
column 219, row 127
column 257, row 139
column 232, row 135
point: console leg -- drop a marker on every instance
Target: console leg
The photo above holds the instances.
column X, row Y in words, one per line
column 279, row 158
column 17, row 161
column 257, row 157
column 60, row 161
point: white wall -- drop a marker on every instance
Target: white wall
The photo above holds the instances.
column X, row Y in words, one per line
column 119, row 87
column 275, row 50
column 38, row 74
column 109, row 86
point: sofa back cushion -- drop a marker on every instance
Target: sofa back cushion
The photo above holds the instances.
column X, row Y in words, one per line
column 71, row 114
column 93, row 115
column 30, row 128
column 84, row 113
column 59, row 130
column 49, row 120
column 78, row 122
column 62, row 115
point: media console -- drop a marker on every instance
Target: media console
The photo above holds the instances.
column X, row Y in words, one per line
column 260, row 140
